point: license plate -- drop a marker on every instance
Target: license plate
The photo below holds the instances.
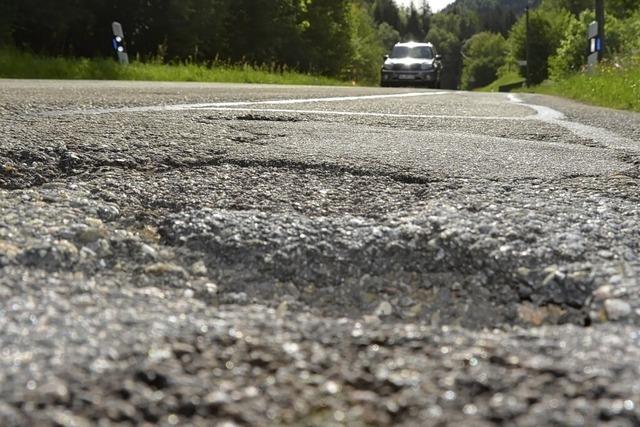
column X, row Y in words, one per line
column 405, row 76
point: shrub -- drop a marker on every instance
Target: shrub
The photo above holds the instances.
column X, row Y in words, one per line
column 621, row 39
column 545, row 34
column 572, row 53
column 484, row 54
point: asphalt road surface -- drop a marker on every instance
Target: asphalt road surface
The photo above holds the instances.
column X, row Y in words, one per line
column 191, row 254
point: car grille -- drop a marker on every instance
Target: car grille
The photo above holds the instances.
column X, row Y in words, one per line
column 412, row 67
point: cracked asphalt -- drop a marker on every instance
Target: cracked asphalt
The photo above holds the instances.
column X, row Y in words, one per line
column 234, row 255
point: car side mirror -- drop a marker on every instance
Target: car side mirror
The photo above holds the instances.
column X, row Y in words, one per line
column 385, row 57
column 438, row 57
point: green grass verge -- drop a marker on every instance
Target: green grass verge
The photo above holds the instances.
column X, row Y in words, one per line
column 16, row 64
column 614, row 86
column 512, row 77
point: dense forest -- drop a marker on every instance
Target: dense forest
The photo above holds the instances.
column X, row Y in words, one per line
column 479, row 39
column 332, row 37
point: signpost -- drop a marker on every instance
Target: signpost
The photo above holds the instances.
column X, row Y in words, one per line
column 595, row 34
column 118, row 43
column 595, row 45
column 599, row 7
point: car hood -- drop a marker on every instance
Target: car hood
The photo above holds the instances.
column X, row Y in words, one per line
column 408, row 61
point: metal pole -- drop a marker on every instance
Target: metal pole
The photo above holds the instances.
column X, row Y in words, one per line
column 599, row 6
column 528, row 76
column 592, row 37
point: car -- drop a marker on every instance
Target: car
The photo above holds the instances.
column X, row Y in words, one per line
column 412, row 64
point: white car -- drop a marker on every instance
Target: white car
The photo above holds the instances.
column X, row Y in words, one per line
column 412, row 64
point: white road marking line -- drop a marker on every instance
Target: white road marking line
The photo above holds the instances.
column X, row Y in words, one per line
column 365, row 114
column 544, row 114
column 594, row 133
column 331, row 99
column 199, row 106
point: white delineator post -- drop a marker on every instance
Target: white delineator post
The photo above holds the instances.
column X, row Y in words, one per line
column 118, row 43
column 594, row 45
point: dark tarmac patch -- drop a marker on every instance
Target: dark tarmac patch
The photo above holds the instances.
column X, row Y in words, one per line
column 30, row 168
column 421, row 269
column 268, row 118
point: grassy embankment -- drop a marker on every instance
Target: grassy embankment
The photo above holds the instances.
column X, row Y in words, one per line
column 509, row 78
column 613, row 85
column 16, row 64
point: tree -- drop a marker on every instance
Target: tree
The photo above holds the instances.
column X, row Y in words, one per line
column 448, row 45
column 630, row 31
column 265, row 31
column 386, row 11
column 571, row 55
column 445, row 34
column 450, row 22
column 484, row 54
column 546, row 29
column 54, row 27
column 425, row 16
column 388, row 35
column 327, row 37
column 623, row 8
column 573, row 6
column 414, row 30
column 367, row 46
column 8, row 12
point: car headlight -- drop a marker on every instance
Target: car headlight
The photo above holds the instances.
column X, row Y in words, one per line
column 426, row 66
column 387, row 66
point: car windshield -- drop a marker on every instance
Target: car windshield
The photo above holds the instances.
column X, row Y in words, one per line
column 422, row 52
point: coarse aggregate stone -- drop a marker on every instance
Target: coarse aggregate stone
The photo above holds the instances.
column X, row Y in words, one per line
column 232, row 268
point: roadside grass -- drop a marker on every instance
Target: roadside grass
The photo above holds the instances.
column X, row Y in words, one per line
column 613, row 85
column 512, row 77
column 23, row 65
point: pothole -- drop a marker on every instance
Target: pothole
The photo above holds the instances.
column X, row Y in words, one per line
column 35, row 168
column 418, row 267
column 462, row 252
column 268, row 118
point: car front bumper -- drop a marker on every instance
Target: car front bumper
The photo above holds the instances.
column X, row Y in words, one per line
column 408, row 77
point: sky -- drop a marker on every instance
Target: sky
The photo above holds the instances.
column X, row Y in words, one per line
column 436, row 5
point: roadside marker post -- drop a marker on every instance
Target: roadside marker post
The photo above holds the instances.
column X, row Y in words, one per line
column 118, row 43
column 595, row 35
column 599, row 9
column 595, row 45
